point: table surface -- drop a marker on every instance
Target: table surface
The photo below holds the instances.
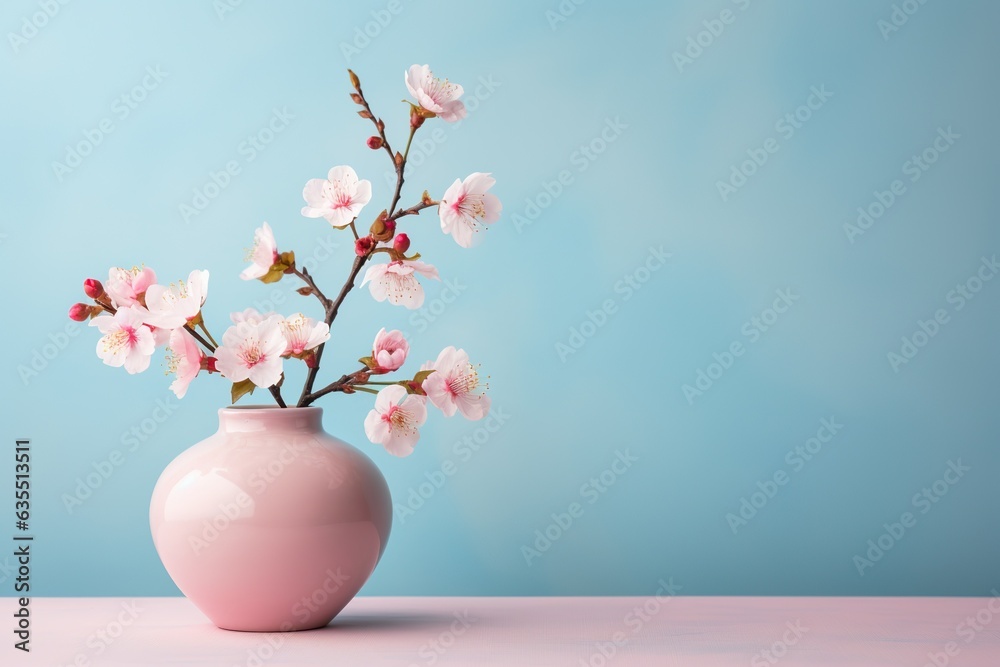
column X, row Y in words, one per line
column 549, row 631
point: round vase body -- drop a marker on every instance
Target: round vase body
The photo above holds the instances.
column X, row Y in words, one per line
column 270, row 524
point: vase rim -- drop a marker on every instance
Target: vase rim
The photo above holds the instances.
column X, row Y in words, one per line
column 262, row 408
column 258, row 418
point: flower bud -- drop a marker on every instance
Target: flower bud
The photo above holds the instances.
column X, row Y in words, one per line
column 383, row 228
column 401, row 243
column 374, row 142
column 79, row 312
column 363, row 246
column 416, row 119
column 93, row 288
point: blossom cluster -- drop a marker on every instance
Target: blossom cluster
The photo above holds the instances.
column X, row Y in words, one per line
column 137, row 314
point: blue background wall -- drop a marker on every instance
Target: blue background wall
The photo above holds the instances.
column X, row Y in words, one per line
column 540, row 90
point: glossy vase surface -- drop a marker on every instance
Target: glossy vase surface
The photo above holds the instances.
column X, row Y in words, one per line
column 270, row 524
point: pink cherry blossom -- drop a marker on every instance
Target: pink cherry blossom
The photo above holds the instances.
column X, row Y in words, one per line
column 303, row 333
column 263, row 255
column 467, row 207
column 389, row 350
column 173, row 306
column 126, row 286
column 339, row 198
column 127, row 341
column 253, row 316
column 395, row 420
column 453, row 385
column 434, row 95
column 252, row 351
column 161, row 336
column 397, row 282
column 183, row 360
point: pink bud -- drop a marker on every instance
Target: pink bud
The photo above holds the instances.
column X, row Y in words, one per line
column 401, row 243
column 363, row 246
column 374, row 142
column 390, row 226
column 93, row 288
column 79, row 312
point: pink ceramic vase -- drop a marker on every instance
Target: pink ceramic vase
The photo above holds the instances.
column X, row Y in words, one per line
column 270, row 524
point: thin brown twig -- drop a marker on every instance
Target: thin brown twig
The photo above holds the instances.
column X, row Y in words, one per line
column 338, row 385
column 331, row 313
column 413, row 210
column 333, row 307
column 308, row 280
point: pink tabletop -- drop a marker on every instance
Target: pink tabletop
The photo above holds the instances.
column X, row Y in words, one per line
column 595, row 631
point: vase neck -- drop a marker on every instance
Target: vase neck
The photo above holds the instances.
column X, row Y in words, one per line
column 255, row 419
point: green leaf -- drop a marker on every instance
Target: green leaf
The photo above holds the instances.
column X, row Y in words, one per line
column 274, row 274
column 241, row 389
column 368, row 361
column 421, row 376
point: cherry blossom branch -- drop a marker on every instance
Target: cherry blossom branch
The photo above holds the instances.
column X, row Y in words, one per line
column 308, row 280
column 414, row 210
column 332, row 309
column 400, row 162
column 359, row 98
column 276, row 393
column 207, row 333
column 344, row 382
column 197, row 336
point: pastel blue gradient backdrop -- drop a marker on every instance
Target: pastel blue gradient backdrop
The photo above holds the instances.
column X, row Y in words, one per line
column 553, row 90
